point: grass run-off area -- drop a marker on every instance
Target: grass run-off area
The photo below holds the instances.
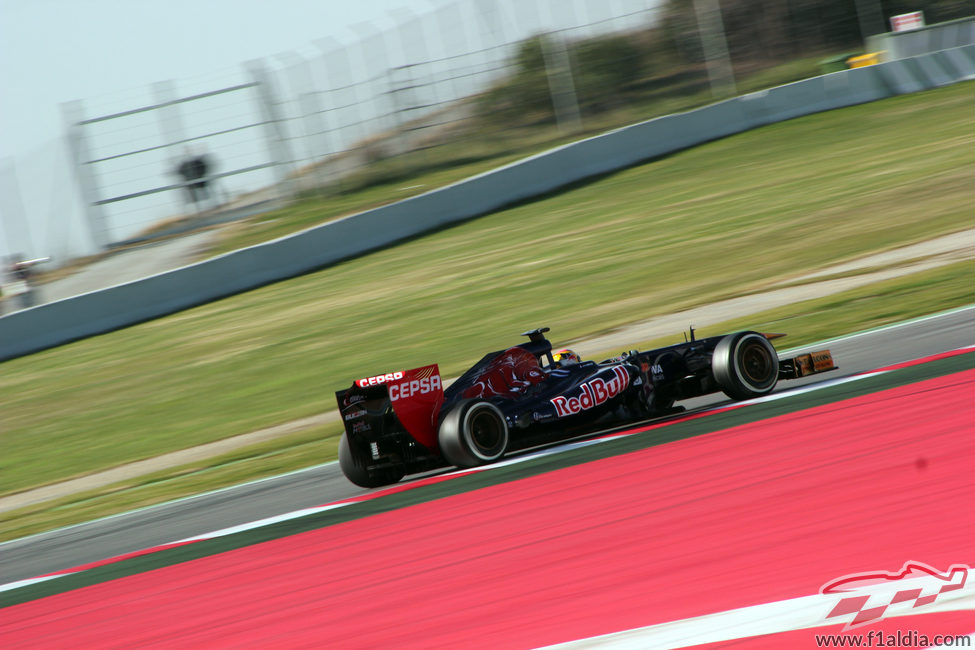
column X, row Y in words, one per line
column 731, row 217
column 813, row 320
column 479, row 147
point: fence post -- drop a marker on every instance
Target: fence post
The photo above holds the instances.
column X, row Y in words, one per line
column 73, row 113
column 170, row 124
column 871, row 18
column 710, row 26
column 13, row 214
column 450, row 24
column 560, row 83
column 371, row 41
column 274, row 135
column 314, row 126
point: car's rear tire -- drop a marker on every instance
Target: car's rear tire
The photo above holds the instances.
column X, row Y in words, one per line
column 355, row 469
column 745, row 365
column 473, row 433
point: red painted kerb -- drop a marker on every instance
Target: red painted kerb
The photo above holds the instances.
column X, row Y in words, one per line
column 753, row 514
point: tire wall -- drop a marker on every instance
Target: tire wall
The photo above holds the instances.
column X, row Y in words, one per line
column 56, row 323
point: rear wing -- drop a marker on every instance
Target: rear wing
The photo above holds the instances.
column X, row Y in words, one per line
column 804, row 365
column 407, row 400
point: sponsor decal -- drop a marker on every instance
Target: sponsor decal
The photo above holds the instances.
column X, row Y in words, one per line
column 592, row 393
column 354, row 398
column 804, row 365
column 807, row 364
column 415, row 386
column 416, row 401
column 868, row 596
column 352, row 415
column 378, row 379
column 541, row 417
column 822, row 360
column 360, row 427
column 907, row 22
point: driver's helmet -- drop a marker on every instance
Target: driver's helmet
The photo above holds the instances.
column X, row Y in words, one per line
column 565, row 357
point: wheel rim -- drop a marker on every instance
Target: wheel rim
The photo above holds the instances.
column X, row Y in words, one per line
column 487, row 433
column 756, row 364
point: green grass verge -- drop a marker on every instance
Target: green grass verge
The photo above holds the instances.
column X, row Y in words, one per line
column 815, row 320
column 479, row 147
column 720, row 220
column 271, row 458
column 871, row 306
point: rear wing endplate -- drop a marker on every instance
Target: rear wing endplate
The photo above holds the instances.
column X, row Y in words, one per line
column 415, row 397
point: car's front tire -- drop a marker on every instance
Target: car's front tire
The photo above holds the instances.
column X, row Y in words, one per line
column 745, row 365
column 473, row 433
column 354, row 467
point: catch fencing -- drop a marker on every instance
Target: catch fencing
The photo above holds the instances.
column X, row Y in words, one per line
column 298, row 122
column 56, row 323
column 153, row 173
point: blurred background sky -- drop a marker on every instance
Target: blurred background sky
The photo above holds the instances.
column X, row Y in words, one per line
column 53, row 51
column 111, row 53
column 59, row 50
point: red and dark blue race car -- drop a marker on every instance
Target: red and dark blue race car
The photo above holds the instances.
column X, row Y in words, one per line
column 406, row 422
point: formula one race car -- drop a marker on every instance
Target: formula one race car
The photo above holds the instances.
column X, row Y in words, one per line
column 405, row 422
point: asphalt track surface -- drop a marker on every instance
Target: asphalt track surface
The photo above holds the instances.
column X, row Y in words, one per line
column 70, row 547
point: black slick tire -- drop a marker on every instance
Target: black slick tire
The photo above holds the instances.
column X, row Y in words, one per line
column 745, row 365
column 473, row 433
column 356, row 471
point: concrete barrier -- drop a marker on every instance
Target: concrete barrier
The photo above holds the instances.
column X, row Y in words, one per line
column 56, row 323
column 856, row 86
column 900, row 78
column 959, row 65
column 934, row 71
column 925, row 40
column 968, row 51
column 785, row 102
